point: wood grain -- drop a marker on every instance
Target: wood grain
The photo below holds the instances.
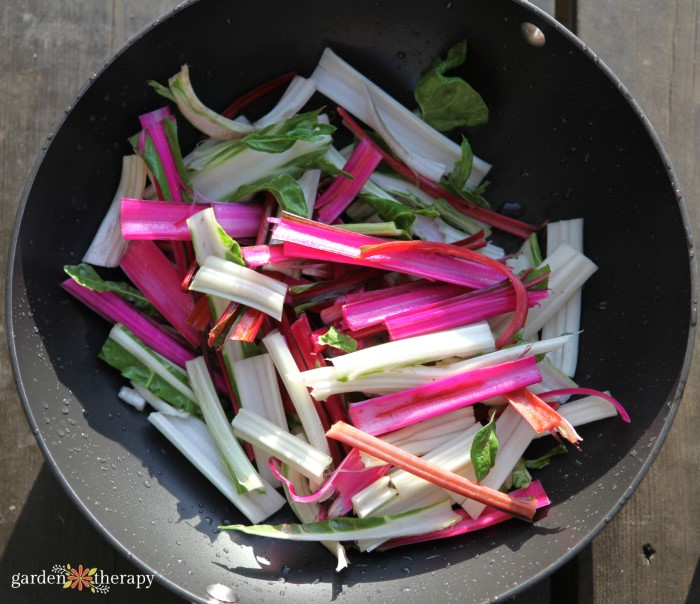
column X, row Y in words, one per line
column 48, row 50
column 650, row 551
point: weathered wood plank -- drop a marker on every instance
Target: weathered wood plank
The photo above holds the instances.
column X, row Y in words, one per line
column 48, row 50
column 35, row 85
column 650, row 551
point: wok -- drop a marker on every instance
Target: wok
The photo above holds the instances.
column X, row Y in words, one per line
column 566, row 140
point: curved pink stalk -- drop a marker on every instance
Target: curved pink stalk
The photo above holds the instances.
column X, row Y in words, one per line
column 450, row 251
column 589, row 392
column 350, row 477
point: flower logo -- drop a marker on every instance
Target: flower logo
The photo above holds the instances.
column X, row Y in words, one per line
column 80, row 577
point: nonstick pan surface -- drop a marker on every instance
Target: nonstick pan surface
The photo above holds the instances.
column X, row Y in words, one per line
column 566, row 141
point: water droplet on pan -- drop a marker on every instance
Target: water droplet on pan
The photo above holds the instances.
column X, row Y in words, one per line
column 222, row 593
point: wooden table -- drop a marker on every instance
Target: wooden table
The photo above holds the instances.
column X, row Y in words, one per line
column 48, row 49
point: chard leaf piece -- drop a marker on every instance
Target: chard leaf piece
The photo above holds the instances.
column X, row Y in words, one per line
column 287, row 192
column 543, row 461
column 449, row 102
column 336, row 339
column 398, row 213
column 133, row 369
column 163, row 91
column 463, row 167
column 455, row 218
column 484, row 449
column 87, row 276
column 534, row 249
column 520, row 477
column 280, row 137
column 416, row 521
column 537, row 279
column 233, row 249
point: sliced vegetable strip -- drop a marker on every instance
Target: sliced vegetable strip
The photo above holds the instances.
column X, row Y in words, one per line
column 242, row 471
column 590, row 392
column 116, row 310
column 151, row 271
column 240, row 284
column 489, row 517
column 394, row 301
column 279, row 443
column 199, row 115
column 347, row 528
column 343, row 190
column 464, row 342
column 311, row 239
column 460, row 310
column 372, row 445
column 108, row 245
column 145, row 219
column 505, row 223
column 166, row 167
column 539, row 414
column 393, row 411
column 520, row 314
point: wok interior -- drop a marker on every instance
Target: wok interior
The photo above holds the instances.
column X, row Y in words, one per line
column 565, row 142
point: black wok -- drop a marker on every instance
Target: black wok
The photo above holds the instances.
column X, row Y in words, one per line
column 566, row 140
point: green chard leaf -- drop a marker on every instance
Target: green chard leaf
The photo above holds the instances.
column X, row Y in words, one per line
column 336, row 339
column 345, row 528
column 484, row 448
column 389, row 210
column 457, row 219
column 456, row 181
column 520, row 477
column 463, row 167
column 133, row 369
column 233, row 250
column 280, row 137
column 87, row 276
column 537, row 279
column 162, row 90
column 287, row 192
column 543, row 461
column 449, row 102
